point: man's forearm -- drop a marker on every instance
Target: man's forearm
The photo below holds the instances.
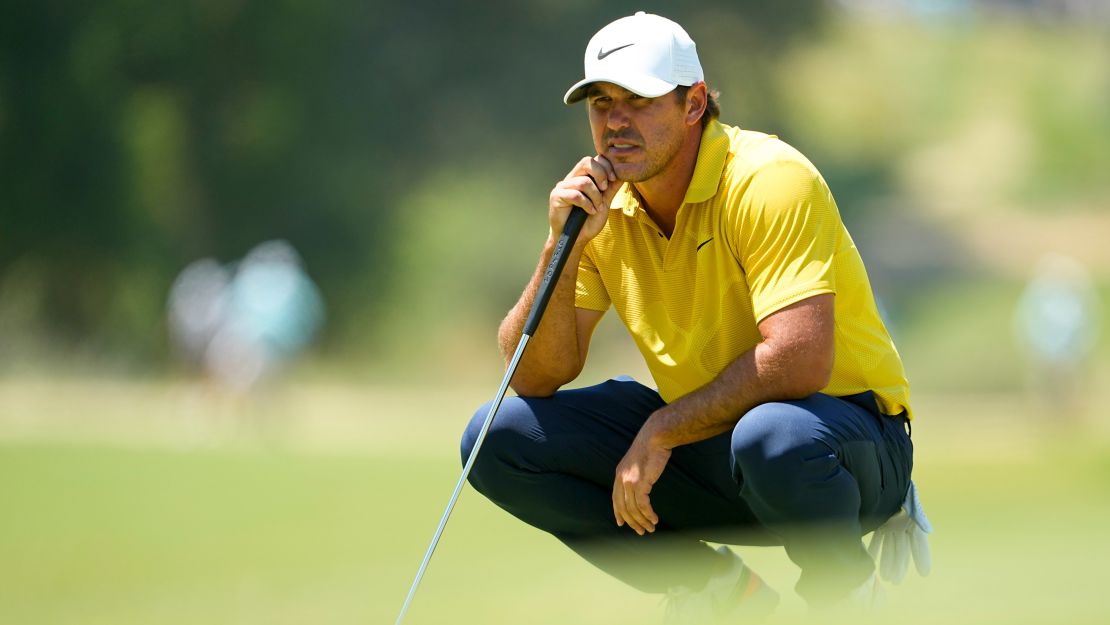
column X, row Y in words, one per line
column 713, row 408
column 790, row 366
column 552, row 358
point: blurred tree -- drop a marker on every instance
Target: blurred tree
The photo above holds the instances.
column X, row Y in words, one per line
column 136, row 136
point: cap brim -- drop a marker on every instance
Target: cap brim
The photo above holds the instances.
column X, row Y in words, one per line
column 646, row 86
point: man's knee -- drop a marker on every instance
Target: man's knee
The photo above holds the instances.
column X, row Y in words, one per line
column 470, row 434
column 787, row 469
column 501, row 443
column 774, row 444
column 771, row 430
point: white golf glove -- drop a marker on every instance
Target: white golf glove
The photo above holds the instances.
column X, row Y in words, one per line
column 903, row 535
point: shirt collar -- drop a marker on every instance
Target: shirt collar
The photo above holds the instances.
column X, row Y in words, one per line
column 711, row 162
column 707, row 172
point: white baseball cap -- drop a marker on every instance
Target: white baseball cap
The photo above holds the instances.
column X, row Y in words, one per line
column 647, row 54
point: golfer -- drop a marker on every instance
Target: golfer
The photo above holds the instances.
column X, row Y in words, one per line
column 779, row 412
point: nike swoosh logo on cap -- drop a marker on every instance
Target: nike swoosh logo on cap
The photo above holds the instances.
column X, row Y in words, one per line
column 602, row 53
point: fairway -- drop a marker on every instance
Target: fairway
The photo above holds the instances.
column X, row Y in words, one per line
column 325, row 518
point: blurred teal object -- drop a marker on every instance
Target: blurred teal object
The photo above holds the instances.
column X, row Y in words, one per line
column 273, row 298
column 1057, row 315
column 243, row 322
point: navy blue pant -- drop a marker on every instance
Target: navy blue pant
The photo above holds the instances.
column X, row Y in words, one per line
column 813, row 475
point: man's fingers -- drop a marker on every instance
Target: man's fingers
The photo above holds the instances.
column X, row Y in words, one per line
column 581, row 191
column 624, row 509
column 567, row 197
column 634, row 511
column 643, row 503
column 635, row 476
column 590, row 188
column 601, row 173
column 597, row 167
column 605, row 179
column 602, row 176
column 590, row 185
column 618, row 493
column 606, row 168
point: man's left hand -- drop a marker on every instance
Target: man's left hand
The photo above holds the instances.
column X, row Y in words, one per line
column 636, row 474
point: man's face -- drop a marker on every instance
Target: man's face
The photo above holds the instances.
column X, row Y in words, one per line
column 640, row 136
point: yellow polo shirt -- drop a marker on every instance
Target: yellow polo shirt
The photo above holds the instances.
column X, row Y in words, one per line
column 758, row 230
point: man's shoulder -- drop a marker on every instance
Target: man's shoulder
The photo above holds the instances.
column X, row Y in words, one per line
column 763, row 177
column 751, row 150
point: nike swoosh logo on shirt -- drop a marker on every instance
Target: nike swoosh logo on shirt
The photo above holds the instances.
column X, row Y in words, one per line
column 702, row 244
column 602, row 53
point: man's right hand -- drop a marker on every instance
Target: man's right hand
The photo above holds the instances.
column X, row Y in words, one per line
column 591, row 184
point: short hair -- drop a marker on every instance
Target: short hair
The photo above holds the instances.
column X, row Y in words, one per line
column 712, row 105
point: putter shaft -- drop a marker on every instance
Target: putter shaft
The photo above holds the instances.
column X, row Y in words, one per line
column 466, row 472
column 574, row 224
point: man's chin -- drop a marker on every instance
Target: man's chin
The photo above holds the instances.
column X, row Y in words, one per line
column 627, row 172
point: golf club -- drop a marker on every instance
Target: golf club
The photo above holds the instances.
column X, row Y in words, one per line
column 551, row 275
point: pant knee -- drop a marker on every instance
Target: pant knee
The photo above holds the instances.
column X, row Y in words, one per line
column 767, row 433
column 501, row 445
column 789, row 473
column 775, row 451
column 470, row 434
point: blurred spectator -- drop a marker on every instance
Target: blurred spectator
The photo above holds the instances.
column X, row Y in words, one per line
column 241, row 323
column 1057, row 322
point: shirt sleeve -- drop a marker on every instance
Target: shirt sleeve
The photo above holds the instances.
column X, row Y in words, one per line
column 589, row 290
column 788, row 231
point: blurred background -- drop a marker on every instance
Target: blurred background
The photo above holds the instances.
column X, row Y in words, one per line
column 253, row 257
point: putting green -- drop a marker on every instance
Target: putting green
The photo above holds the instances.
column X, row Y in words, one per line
column 101, row 530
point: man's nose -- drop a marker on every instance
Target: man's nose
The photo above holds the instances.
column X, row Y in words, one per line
column 618, row 117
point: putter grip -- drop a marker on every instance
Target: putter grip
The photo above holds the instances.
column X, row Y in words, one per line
column 554, row 268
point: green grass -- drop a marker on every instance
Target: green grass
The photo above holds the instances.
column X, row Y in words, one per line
column 98, row 531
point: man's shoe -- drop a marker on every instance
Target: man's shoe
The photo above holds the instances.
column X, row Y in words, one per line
column 865, row 603
column 737, row 595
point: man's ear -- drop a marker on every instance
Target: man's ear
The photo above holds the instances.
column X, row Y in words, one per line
column 697, row 98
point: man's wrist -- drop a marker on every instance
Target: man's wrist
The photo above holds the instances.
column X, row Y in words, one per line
column 655, row 433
